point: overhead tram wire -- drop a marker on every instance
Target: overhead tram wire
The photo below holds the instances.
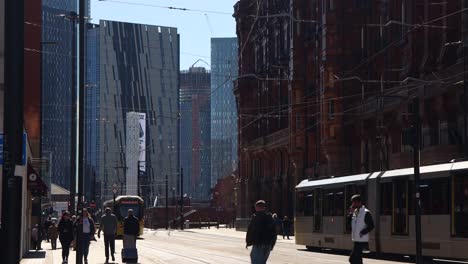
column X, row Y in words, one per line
column 304, row 104
column 169, row 7
column 418, row 26
column 345, row 112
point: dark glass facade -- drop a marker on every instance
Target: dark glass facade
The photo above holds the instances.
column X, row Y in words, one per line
column 92, row 112
column 138, row 72
column 57, row 87
column 223, row 108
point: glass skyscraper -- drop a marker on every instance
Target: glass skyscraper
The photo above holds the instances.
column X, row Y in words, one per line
column 138, row 70
column 223, row 108
column 57, row 87
column 92, row 119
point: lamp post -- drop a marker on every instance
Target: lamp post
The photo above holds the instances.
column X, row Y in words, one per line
column 114, row 191
column 167, row 202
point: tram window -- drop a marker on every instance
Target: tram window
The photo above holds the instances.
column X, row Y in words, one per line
column 460, row 206
column 300, row 199
column 435, row 197
column 305, row 204
column 309, row 204
column 333, row 202
column 386, row 199
column 339, row 203
column 400, row 207
column 328, row 203
column 318, row 211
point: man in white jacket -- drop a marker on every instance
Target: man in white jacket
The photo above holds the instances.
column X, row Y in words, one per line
column 361, row 225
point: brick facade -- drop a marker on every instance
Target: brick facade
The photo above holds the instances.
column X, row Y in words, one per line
column 326, row 90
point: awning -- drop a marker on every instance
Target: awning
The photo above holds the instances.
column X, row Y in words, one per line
column 306, row 184
column 35, row 184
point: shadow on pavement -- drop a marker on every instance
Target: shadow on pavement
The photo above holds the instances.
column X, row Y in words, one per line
column 35, row 255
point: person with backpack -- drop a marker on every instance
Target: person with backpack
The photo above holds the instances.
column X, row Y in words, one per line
column 261, row 234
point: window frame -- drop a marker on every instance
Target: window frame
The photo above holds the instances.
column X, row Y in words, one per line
column 453, row 219
column 406, row 231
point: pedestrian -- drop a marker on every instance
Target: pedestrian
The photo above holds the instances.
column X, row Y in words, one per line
column 73, row 244
column 85, row 230
column 36, row 235
column 286, row 227
column 361, row 224
column 109, row 226
column 53, row 234
column 47, row 224
column 278, row 224
column 131, row 230
column 65, row 230
column 261, row 234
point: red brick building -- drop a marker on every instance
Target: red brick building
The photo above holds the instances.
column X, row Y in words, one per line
column 32, row 73
column 326, row 88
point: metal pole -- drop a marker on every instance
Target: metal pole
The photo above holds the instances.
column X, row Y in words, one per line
column 181, row 198
column 167, row 203
column 138, row 178
column 73, row 146
column 81, row 125
column 13, row 140
column 417, row 200
column 80, row 109
column 465, row 88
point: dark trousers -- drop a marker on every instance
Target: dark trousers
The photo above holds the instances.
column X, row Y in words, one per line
column 53, row 241
column 260, row 254
column 286, row 232
column 37, row 244
column 86, row 240
column 356, row 254
column 65, row 248
column 109, row 241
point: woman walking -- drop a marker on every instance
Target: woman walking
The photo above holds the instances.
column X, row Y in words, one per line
column 85, row 230
column 53, row 235
column 65, row 229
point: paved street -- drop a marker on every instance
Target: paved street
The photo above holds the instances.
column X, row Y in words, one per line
column 198, row 246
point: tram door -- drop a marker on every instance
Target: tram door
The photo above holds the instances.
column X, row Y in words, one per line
column 318, row 210
column 400, row 207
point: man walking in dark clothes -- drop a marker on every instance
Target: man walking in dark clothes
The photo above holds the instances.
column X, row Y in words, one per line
column 109, row 226
column 261, row 234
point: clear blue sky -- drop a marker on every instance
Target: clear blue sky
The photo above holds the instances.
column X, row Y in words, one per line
column 193, row 27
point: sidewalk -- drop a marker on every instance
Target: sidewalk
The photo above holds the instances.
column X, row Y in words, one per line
column 49, row 256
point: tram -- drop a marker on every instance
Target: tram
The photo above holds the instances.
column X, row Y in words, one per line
column 121, row 207
column 322, row 205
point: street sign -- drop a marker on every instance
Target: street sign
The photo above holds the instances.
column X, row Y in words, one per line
column 114, row 188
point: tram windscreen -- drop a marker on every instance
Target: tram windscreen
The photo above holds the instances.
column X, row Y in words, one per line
column 125, row 207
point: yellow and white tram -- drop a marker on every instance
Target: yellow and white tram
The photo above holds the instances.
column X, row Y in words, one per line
column 322, row 205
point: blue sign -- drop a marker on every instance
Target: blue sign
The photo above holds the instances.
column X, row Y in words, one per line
column 2, row 143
